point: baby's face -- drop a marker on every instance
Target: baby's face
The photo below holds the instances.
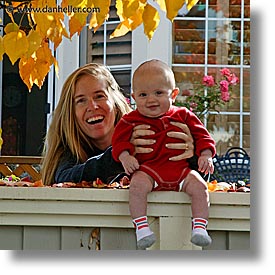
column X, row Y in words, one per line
column 153, row 94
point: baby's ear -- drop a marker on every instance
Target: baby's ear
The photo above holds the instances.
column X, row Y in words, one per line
column 133, row 95
column 174, row 94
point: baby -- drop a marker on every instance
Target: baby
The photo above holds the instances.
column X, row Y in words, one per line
column 154, row 91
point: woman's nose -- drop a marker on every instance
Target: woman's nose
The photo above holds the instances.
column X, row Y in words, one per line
column 92, row 105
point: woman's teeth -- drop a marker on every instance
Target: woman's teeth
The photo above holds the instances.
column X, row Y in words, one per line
column 95, row 119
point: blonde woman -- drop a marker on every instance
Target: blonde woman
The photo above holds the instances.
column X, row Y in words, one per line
column 78, row 142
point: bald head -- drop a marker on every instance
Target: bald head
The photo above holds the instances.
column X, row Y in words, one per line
column 152, row 68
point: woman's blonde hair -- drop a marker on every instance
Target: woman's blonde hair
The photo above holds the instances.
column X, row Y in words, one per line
column 64, row 132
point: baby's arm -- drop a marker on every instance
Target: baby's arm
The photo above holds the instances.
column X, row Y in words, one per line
column 205, row 162
column 129, row 163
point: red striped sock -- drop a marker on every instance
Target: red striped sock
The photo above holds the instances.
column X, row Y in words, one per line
column 140, row 222
column 199, row 223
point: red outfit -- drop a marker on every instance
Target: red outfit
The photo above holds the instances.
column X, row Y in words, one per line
column 168, row 174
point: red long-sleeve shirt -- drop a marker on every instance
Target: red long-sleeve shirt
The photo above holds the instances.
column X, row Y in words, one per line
column 157, row 163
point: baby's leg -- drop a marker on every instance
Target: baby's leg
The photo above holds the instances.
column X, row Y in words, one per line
column 141, row 184
column 196, row 188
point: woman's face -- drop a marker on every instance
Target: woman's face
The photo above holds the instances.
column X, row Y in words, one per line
column 95, row 110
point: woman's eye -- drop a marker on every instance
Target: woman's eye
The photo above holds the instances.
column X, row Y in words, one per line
column 80, row 101
column 100, row 96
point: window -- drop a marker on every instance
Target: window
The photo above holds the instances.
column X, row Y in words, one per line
column 213, row 35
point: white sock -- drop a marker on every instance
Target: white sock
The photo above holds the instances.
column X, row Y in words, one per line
column 145, row 237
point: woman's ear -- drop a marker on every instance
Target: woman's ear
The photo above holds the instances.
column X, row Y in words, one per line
column 174, row 94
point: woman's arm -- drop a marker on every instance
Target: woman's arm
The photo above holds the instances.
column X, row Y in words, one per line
column 102, row 166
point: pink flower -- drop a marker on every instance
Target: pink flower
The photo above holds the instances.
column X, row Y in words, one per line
column 224, row 86
column 225, row 96
column 208, row 80
column 233, row 79
column 225, row 72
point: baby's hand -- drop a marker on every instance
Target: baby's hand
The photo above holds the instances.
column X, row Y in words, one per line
column 205, row 164
column 129, row 163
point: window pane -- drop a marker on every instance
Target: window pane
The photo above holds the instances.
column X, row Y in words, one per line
column 225, row 129
column 187, row 79
column 220, row 8
column 224, row 8
column 189, row 42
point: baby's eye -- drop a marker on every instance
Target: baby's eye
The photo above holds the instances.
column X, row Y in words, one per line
column 158, row 93
column 142, row 95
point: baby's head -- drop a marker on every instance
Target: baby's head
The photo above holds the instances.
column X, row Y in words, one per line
column 154, row 88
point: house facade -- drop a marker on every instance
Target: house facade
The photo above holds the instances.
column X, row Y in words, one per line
column 215, row 34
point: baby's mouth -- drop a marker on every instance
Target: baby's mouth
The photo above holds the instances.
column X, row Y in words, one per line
column 95, row 120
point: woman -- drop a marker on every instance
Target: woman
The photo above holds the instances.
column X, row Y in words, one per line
column 78, row 141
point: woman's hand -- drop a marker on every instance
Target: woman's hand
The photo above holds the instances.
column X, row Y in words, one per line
column 138, row 132
column 187, row 145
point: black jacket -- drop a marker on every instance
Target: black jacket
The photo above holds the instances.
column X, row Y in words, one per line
column 100, row 165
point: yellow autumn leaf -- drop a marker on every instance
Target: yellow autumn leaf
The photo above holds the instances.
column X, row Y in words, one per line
column 26, row 70
column 98, row 18
column 151, row 20
column 44, row 23
column 191, row 4
column 35, row 40
column 2, row 51
column 162, row 4
column 77, row 19
column 58, row 32
column 119, row 10
column 43, row 63
column 130, row 7
column 49, row 23
column 74, row 3
column 11, row 27
column 131, row 23
column 76, row 23
column 172, row 8
column 16, row 45
column 34, row 69
column 123, row 28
